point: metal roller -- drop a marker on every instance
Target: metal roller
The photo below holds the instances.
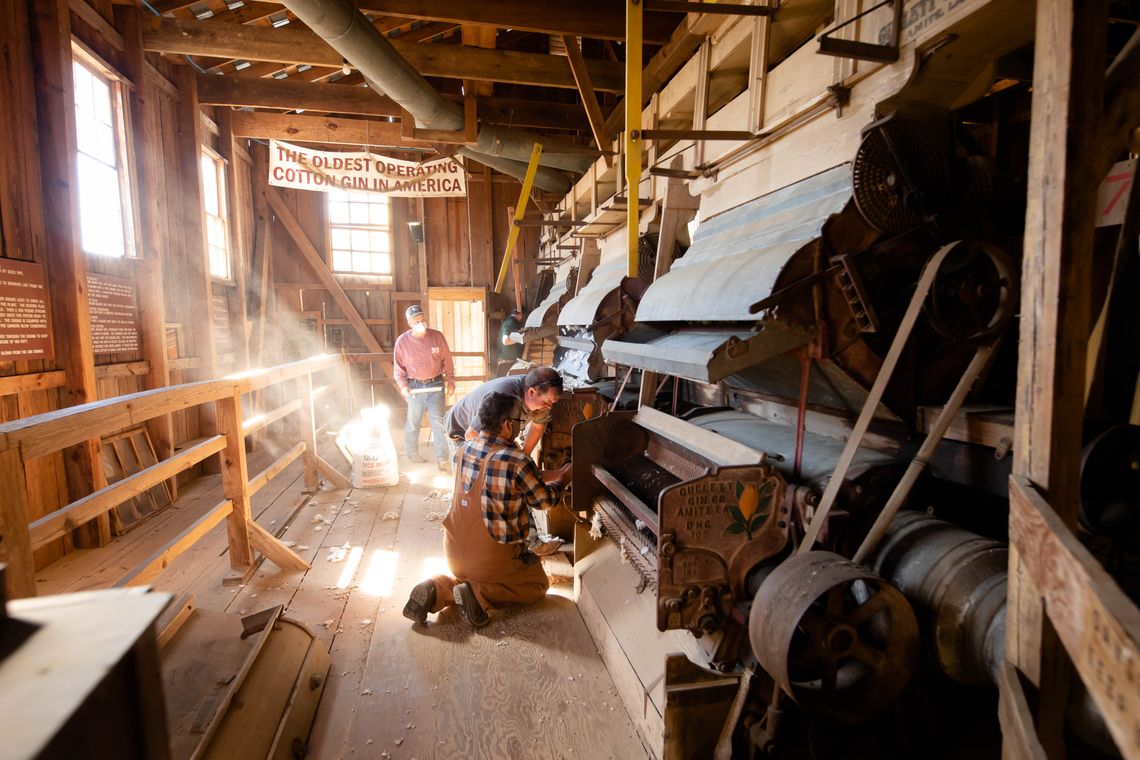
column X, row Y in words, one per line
column 957, row 582
column 841, row 641
column 637, row 544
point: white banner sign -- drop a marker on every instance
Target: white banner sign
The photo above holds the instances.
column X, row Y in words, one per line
column 326, row 171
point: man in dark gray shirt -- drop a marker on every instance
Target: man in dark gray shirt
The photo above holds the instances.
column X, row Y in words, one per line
column 537, row 391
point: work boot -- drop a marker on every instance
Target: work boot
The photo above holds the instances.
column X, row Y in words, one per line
column 416, row 458
column 443, row 465
column 469, row 606
column 420, row 602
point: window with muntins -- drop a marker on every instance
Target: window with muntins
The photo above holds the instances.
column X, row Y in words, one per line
column 359, row 233
column 213, row 169
column 106, row 223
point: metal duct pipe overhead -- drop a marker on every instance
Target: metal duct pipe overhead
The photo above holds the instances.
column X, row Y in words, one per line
column 351, row 35
column 550, row 180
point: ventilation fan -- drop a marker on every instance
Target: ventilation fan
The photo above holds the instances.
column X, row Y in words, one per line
column 900, row 176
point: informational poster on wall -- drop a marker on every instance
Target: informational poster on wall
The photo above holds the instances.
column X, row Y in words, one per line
column 24, row 330
column 114, row 316
column 328, row 171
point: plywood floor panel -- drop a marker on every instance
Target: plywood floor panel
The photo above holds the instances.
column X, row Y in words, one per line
column 529, row 685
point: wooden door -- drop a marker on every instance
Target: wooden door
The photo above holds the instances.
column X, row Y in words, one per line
column 461, row 315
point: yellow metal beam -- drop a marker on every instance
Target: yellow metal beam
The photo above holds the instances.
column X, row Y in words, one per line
column 520, row 210
column 633, row 10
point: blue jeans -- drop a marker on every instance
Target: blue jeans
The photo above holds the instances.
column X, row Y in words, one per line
column 417, row 402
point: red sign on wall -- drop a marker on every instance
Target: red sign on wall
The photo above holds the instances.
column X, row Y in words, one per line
column 1112, row 195
column 24, row 329
column 114, row 319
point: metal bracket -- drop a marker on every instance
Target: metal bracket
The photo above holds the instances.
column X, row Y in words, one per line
column 469, row 135
column 865, row 51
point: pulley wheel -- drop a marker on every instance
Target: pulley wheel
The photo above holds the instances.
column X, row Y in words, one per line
column 1110, row 484
column 974, row 293
column 838, row 639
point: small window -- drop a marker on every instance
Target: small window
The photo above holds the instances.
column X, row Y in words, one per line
column 359, row 233
column 106, row 219
column 213, row 169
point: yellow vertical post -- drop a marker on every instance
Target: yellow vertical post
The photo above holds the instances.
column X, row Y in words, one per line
column 633, row 10
column 520, row 209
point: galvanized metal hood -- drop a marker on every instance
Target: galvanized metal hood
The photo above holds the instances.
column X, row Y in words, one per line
column 778, row 442
column 704, row 355
column 543, row 315
column 737, row 257
column 695, row 322
column 582, row 309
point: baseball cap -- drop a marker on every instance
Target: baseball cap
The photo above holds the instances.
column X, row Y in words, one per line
column 413, row 311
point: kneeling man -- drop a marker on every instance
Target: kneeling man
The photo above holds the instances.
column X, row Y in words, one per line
column 485, row 531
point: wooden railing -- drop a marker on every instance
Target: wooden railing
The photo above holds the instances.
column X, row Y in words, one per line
column 31, row 437
column 1097, row 624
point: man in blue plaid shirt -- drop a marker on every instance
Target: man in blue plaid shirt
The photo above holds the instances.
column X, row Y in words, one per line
column 485, row 531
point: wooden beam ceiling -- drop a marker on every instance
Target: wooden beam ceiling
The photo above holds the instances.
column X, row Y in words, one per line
column 292, row 94
column 321, row 129
column 246, row 14
column 600, row 19
column 586, row 91
column 300, row 46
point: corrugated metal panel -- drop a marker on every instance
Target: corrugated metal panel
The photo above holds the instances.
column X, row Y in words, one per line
column 706, row 356
column 583, row 308
column 737, row 257
column 779, row 443
column 535, row 319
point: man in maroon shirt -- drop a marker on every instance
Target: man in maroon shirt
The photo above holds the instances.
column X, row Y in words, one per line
column 421, row 362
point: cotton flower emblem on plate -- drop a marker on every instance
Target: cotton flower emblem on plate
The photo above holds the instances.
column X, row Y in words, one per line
column 752, row 509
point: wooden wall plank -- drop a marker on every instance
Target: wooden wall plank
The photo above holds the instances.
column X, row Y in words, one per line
column 149, row 174
column 67, row 265
column 321, row 270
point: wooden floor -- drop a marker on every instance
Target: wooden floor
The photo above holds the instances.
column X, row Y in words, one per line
column 529, row 685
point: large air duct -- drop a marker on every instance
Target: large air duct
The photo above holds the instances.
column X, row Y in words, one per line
column 351, row 35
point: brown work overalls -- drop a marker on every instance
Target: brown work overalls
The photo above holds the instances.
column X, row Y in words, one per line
column 494, row 570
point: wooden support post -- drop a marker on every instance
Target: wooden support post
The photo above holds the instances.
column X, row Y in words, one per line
column 633, row 9
column 235, row 480
column 758, row 72
column 199, row 289
column 239, row 256
column 520, row 211
column 586, row 91
column 591, row 257
column 150, row 174
column 1068, row 82
column 676, row 209
column 15, row 538
column 263, row 250
column 275, row 551
column 67, row 263
column 701, row 102
column 309, row 433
